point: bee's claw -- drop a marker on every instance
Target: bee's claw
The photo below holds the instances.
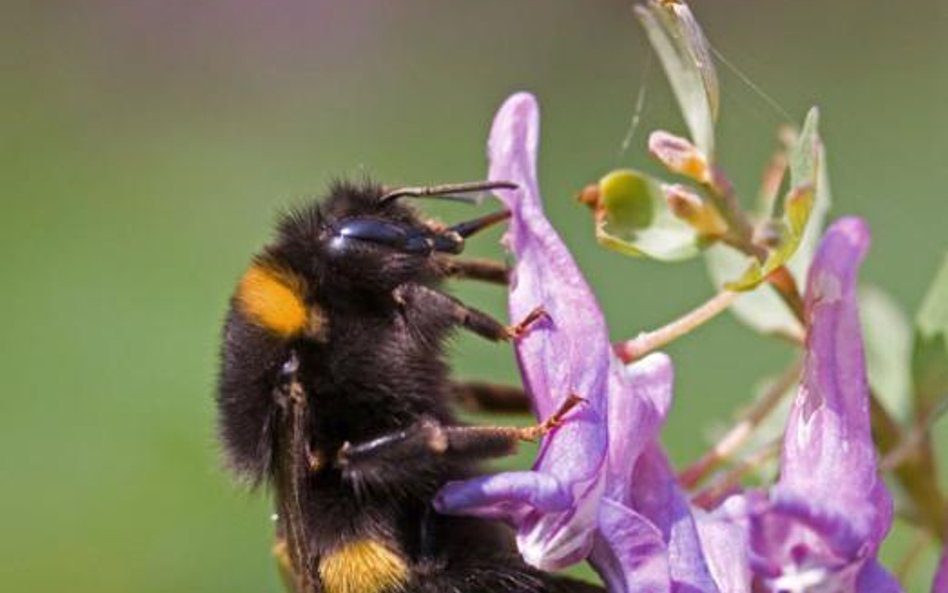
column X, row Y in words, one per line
column 534, row 433
column 518, row 330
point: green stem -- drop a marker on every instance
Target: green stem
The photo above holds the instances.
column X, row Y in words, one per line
column 721, row 191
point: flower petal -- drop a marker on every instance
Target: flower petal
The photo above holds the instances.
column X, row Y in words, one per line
column 566, row 353
column 828, row 470
column 821, row 524
column 725, row 549
column 638, row 404
column 656, row 495
column 506, row 495
column 571, row 352
column 629, row 552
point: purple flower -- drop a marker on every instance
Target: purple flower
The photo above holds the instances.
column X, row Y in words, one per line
column 555, row 505
column 601, row 486
column 819, row 527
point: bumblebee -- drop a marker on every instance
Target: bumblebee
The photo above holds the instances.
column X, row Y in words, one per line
column 333, row 390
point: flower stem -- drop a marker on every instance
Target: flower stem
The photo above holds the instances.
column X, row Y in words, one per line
column 750, row 420
column 722, row 195
column 647, row 342
column 786, row 286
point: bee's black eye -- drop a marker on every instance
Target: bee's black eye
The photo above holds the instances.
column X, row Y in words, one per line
column 381, row 232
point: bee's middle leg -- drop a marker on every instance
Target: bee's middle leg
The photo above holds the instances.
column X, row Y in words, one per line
column 475, row 396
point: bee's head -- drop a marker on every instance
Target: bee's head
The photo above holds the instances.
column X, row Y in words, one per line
column 360, row 243
column 365, row 239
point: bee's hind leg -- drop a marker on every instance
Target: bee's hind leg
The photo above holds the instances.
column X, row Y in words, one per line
column 397, row 452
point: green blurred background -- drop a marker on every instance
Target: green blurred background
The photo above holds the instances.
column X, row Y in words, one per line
column 146, row 147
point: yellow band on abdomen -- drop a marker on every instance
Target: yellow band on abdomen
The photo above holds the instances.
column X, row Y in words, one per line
column 363, row 566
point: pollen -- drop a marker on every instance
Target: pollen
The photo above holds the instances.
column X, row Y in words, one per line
column 273, row 299
column 363, row 566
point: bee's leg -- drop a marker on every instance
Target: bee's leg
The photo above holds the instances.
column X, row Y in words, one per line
column 485, row 270
column 451, row 310
column 475, row 396
column 392, row 453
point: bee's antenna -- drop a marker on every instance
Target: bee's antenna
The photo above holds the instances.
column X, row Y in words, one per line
column 447, row 191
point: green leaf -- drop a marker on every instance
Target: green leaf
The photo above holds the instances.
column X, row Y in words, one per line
column 683, row 51
column 799, row 264
column 887, row 335
column 930, row 352
column 633, row 218
column 761, row 310
column 806, row 164
column 805, row 155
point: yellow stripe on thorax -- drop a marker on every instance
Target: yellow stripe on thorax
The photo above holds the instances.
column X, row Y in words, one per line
column 273, row 299
column 363, row 566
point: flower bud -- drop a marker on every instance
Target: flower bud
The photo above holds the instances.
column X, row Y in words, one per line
column 691, row 208
column 679, row 156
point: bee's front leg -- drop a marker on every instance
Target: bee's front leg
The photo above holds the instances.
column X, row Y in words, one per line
column 452, row 311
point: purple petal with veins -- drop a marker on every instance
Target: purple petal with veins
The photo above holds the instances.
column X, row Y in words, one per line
column 828, row 432
column 567, row 352
column 820, row 526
